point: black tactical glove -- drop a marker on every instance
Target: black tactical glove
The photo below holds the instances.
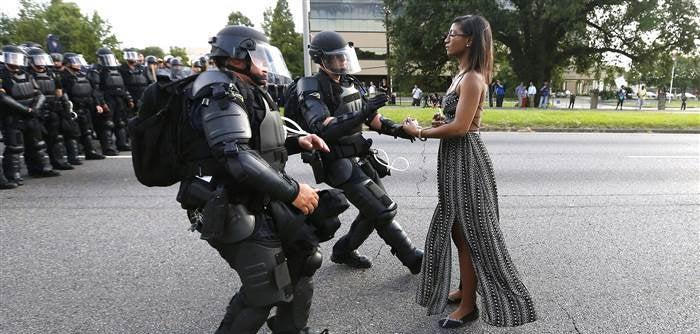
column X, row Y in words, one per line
column 393, row 129
column 374, row 103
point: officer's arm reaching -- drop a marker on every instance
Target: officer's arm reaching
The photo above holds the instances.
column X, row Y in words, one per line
column 227, row 129
column 319, row 119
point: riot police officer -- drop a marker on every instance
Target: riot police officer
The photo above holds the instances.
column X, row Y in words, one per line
column 333, row 106
column 242, row 132
column 56, row 115
column 117, row 101
column 21, row 128
column 4, row 182
column 85, row 100
column 134, row 75
column 152, row 67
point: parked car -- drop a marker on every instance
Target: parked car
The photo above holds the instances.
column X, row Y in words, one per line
column 651, row 95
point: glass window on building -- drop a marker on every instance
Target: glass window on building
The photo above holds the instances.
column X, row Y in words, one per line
column 346, row 15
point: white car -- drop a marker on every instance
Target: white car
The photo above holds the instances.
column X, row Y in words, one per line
column 651, row 95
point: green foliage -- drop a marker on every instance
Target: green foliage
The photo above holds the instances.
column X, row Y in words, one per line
column 153, row 51
column 278, row 25
column 580, row 119
column 237, row 18
column 77, row 32
column 543, row 36
column 177, row 51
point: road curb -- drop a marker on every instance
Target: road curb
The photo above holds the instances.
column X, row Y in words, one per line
column 590, row 130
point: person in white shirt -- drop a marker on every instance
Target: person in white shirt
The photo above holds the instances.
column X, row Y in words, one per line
column 417, row 94
column 372, row 89
column 531, row 91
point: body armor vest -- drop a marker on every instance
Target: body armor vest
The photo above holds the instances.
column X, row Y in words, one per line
column 135, row 80
column 111, row 81
column 47, row 84
column 271, row 138
column 350, row 101
column 21, row 87
column 81, row 89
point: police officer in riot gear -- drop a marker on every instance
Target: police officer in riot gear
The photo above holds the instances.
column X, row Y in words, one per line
column 85, row 100
column 151, row 68
column 117, row 99
column 56, row 114
column 21, row 128
column 57, row 59
column 334, row 107
column 4, row 182
column 134, row 74
column 242, row 132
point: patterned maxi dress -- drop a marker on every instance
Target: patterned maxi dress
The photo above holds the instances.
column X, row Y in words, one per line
column 467, row 196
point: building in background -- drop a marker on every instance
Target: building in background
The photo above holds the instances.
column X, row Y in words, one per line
column 360, row 22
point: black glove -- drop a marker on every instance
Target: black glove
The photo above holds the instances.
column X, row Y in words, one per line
column 375, row 103
column 394, row 129
column 399, row 132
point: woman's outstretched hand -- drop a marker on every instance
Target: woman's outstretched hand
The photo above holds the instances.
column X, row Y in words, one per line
column 410, row 126
column 438, row 120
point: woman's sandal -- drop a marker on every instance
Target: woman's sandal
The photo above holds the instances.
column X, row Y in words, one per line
column 448, row 322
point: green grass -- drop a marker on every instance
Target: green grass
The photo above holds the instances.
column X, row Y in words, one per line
column 579, row 119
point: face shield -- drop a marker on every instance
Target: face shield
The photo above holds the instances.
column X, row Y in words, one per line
column 77, row 60
column 108, row 60
column 42, row 60
column 131, row 55
column 341, row 61
column 14, row 58
column 266, row 56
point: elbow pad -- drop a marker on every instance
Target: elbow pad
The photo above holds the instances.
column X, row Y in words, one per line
column 249, row 168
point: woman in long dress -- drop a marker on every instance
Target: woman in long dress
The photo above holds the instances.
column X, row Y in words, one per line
column 467, row 209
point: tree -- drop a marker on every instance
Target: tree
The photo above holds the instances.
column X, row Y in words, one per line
column 543, row 36
column 278, row 25
column 77, row 32
column 238, row 19
column 177, row 51
column 153, row 51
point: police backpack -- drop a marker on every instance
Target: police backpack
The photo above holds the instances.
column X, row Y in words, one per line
column 155, row 133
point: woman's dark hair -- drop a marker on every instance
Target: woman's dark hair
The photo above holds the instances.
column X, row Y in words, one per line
column 481, row 50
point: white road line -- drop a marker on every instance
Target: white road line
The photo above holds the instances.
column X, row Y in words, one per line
column 663, row 156
column 118, row 157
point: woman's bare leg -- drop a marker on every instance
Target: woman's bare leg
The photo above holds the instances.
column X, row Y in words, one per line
column 467, row 274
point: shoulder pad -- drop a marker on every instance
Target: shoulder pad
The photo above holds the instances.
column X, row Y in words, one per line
column 207, row 78
column 308, row 85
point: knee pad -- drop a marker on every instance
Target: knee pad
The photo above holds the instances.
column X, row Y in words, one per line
column 371, row 200
column 264, row 274
column 14, row 149
column 59, row 137
column 313, row 262
column 109, row 124
column 38, row 145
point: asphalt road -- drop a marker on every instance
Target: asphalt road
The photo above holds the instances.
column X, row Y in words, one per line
column 604, row 229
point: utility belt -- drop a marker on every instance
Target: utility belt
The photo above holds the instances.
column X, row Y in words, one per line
column 347, row 147
column 115, row 92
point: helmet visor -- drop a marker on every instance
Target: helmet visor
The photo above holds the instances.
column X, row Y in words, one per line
column 42, row 60
column 341, row 61
column 270, row 58
column 14, row 58
column 108, row 60
column 77, row 60
column 131, row 55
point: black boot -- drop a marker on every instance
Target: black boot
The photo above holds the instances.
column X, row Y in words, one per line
column 122, row 140
column 401, row 246
column 57, row 155
column 107, row 143
column 11, row 165
column 72, row 152
column 90, row 151
column 293, row 316
column 4, row 182
column 345, row 250
column 37, row 160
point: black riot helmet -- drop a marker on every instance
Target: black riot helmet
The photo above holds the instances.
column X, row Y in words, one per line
column 31, row 45
column 131, row 54
column 14, row 57
column 106, row 58
column 74, row 61
column 246, row 43
column 57, row 57
column 38, row 58
column 151, row 60
column 330, row 50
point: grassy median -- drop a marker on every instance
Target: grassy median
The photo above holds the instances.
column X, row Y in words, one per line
column 561, row 119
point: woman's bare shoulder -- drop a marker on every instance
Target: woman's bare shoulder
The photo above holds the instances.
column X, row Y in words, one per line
column 473, row 80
